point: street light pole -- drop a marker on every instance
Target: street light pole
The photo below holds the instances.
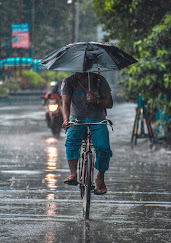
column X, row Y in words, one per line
column 33, row 27
column 75, row 19
column 20, row 11
column 20, row 21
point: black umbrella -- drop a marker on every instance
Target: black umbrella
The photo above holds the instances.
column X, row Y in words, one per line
column 87, row 57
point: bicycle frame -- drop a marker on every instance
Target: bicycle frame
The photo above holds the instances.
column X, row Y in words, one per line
column 87, row 146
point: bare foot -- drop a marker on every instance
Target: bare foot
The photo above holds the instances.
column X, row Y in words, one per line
column 101, row 187
column 71, row 180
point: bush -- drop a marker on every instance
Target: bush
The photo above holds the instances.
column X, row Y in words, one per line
column 12, row 85
column 32, row 80
column 2, row 90
column 62, row 75
column 50, row 76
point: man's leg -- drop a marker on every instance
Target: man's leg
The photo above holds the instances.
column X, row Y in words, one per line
column 75, row 135
column 72, row 179
column 100, row 184
column 100, row 136
column 73, row 166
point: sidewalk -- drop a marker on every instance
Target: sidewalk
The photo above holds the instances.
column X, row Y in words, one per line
column 123, row 117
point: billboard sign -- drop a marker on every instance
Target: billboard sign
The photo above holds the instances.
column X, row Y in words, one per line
column 20, row 36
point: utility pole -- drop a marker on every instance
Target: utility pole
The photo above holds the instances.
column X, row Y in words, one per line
column 20, row 11
column 20, row 21
column 32, row 28
column 75, row 19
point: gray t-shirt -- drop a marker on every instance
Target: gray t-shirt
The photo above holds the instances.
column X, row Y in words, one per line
column 79, row 107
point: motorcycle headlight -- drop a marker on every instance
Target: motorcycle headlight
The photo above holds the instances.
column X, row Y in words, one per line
column 53, row 107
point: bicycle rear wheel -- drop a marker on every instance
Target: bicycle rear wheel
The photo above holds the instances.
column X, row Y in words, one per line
column 87, row 191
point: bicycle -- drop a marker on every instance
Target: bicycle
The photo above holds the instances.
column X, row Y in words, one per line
column 86, row 164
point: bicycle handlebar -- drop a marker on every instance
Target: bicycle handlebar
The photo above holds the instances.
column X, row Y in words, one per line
column 78, row 122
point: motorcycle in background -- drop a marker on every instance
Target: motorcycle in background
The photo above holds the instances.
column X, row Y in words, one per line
column 54, row 117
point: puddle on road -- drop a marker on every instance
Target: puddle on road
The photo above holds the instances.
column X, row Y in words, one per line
column 36, row 206
column 22, row 172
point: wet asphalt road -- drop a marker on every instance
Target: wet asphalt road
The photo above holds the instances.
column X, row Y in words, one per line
column 36, row 206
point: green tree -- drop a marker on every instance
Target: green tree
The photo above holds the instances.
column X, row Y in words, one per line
column 129, row 20
column 31, row 80
column 50, row 24
column 8, row 15
column 50, row 76
column 51, row 27
column 152, row 75
column 87, row 23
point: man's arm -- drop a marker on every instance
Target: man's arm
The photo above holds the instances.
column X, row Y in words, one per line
column 105, row 100
column 66, row 102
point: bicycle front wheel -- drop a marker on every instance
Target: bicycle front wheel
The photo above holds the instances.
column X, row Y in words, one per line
column 87, row 192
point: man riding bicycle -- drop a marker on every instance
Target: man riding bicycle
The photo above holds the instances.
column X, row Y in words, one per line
column 88, row 106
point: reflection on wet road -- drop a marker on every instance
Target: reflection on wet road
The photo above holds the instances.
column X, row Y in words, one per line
column 51, row 166
column 36, row 206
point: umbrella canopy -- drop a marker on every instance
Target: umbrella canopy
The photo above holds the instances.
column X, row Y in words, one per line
column 87, row 57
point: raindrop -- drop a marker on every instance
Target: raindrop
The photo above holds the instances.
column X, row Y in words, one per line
column 72, row 230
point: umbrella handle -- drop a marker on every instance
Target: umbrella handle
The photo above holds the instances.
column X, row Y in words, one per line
column 89, row 88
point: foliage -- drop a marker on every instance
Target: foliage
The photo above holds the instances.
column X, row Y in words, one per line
column 12, row 85
column 152, row 75
column 87, row 22
column 31, row 80
column 129, row 20
column 62, row 75
column 2, row 90
column 143, row 29
column 50, row 76
column 50, row 24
